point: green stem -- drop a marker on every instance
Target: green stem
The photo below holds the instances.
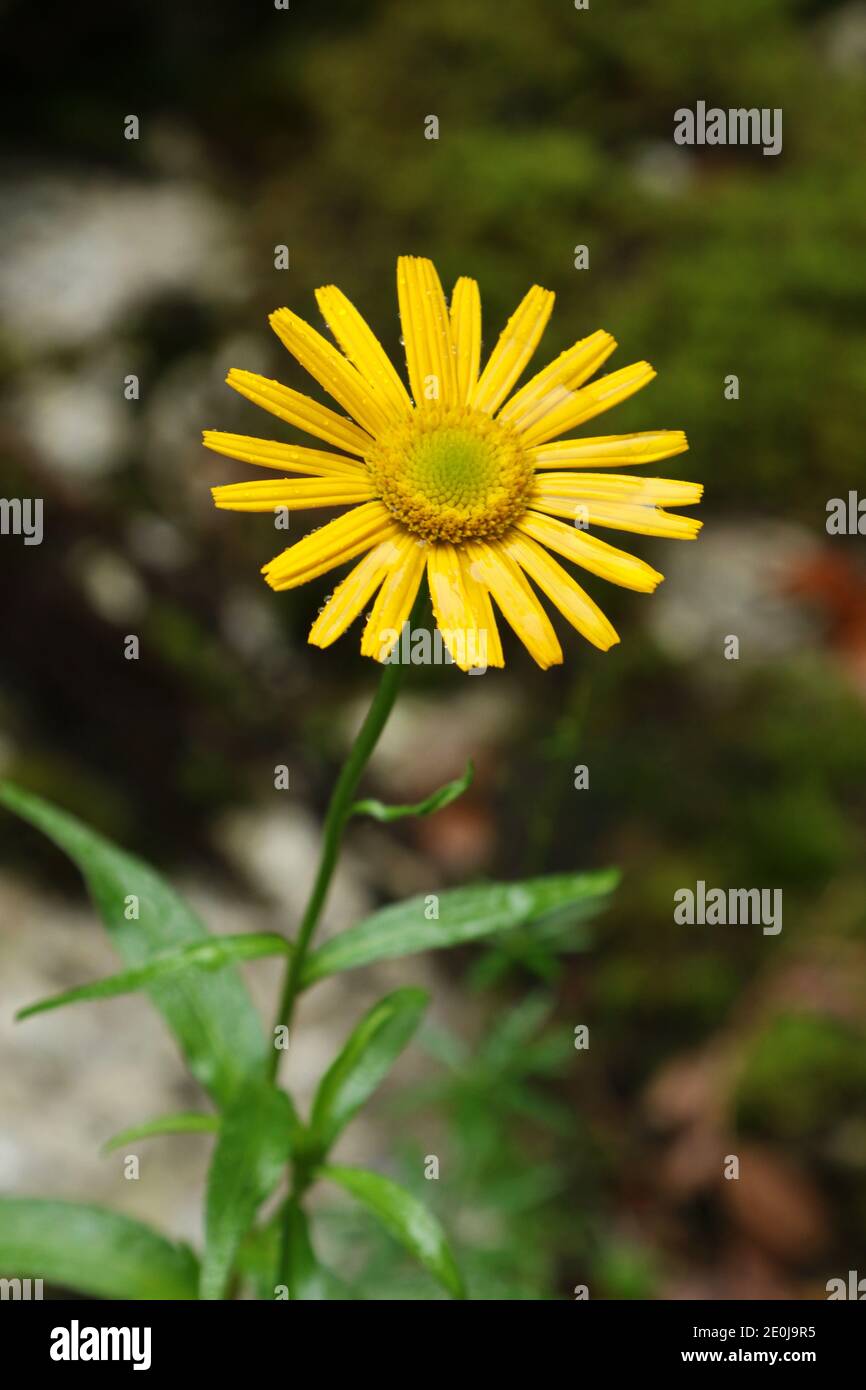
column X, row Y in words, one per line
column 339, row 810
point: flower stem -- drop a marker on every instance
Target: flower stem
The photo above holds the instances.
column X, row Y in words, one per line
column 339, row 809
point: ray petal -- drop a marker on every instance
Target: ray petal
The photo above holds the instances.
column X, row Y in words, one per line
column 588, row 401
column 285, row 458
column 592, row 554
column 395, row 599
column 461, row 610
column 561, row 589
column 517, row 342
column 558, row 381
column 478, row 599
column 330, row 368
column 331, row 545
column 294, row 493
column 426, row 332
column 622, row 516
column 350, row 596
column 616, row 487
column 362, row 347
column 610, row 451
column 297, row 409
column 497, row 572
column 466, row 334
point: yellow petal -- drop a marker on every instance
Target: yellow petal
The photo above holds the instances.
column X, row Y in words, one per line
column 478, row 600
column 622, row 516
column 350, row 596
column 461, row 611
column 286, row 458
column 616, row 487
column 362, row 347
column 493, row 568
column 294, row 493
column 517, row 342
column 583, row 404
column 561, row 589
column 426, row 332
column 590, row 553
column 395, row 599
column 340, row 540
column 608, row 451
column 556, row 382
column 466, row 335
column 299, row 410
column 330, row 369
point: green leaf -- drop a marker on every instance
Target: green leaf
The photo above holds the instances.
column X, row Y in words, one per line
column 186, row 1123
column 212, row 1016
column 92, row 1251
column 302, row 1273
column 407, row 1220
column 264, row 1250
column 363, row 1063
column 212, row 954
column 257, row 1258
column 464, row 914
column 380, row 811
column 256, row 1137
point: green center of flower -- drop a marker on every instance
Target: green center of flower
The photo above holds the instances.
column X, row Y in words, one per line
column 451, row 473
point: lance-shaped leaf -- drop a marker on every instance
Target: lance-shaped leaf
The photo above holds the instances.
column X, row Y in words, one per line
column 258, row 1257
column 407, row 1220
column 211, row 1015
column 460, row 915
column 212, row 954
column 302, row 1273
column 92, row 1251
column 189, row 1122
column 381, row 811
column 363, row 1063
column 256, row 1137
column 285, row 1246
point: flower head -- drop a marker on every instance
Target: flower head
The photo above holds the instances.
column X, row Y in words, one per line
column 460, row 479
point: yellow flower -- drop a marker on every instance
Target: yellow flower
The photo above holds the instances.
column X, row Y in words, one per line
column 458, row 480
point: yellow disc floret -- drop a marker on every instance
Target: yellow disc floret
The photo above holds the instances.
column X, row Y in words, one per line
column 452, row 473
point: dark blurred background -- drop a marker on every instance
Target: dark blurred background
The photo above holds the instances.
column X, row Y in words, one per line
column 155, row 257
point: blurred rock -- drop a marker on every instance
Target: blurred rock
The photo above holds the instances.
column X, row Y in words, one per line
column 277, row 851
column 78, row 422
column 121, row 243
column 742, row 1272
column 736, row 581
column 461, row 838
column 776, row 1205
column 845, row 37
column 686, row 1089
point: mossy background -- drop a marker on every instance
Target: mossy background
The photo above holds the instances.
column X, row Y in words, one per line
column 261, row 127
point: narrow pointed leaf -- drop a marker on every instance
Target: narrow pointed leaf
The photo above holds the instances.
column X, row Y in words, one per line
column 264, row 1251
column 258, row 1258
column 211, row 1015
column 461, row 915
column 407, row 1220
column 212, row 954
column 364, row 1062
column 186, row 1123
column 381, row 811
column 92, row 1250
column 302, row 1273
column 256, row 1137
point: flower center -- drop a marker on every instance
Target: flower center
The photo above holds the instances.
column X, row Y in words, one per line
column 451, row 473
